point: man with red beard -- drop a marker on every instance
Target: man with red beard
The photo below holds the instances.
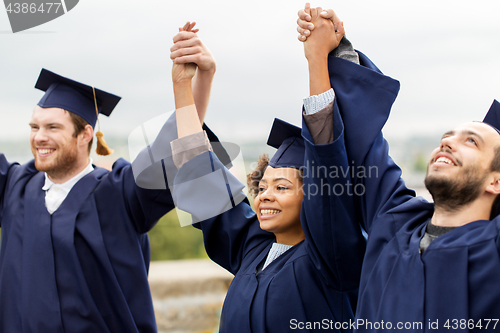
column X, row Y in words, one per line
column 74, row 253
column 428, row 267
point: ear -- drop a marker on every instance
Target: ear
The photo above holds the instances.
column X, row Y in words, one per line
column 86, row 135
column 494, row 185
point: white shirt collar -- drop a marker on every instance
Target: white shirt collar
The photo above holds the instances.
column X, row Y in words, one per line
column 67, row 186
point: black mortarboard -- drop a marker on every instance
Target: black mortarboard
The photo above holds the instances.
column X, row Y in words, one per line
column 67, row 94
column 492, row 118
column 288, row 140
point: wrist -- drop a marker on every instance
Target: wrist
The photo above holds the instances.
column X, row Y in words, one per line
column 182, row 83
column 314, row 58
column 207, row 72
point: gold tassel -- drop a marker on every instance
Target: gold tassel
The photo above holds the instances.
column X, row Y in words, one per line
column 102, row 147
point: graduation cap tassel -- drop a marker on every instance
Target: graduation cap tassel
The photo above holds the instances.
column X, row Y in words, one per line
column 102, row 147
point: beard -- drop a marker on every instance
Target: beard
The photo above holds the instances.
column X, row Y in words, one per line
column 64, row 162
column 452, row 194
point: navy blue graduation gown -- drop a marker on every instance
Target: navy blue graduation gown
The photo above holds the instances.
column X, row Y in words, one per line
column 311, row 287
column 453, row 285
column 83, row 268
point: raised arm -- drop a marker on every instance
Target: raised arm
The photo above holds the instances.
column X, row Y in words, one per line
column 316, row 50
column 154, row 168
column 328, row 216
column 364, row 97
column 203, row 186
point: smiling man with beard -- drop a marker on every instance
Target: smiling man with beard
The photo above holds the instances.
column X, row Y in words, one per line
column 74, row 250
column 428, row 267
column 463, row 178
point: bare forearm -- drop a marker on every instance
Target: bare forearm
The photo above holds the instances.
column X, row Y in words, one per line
column 202, row 85
column 319, row 80
column 187, row 118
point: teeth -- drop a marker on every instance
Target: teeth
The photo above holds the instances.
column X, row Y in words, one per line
column 269, row 211
column 444, row 160
column 44, row 151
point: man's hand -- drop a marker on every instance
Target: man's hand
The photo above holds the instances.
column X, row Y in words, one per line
column 305, row 25
column 189, row 48
column 183, row 72
column 324, row 38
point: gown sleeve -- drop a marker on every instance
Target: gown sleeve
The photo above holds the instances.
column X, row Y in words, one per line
column 5, row 170
column 333, row 234
column 215, row 199
column 144, row 206
column 146, row 184
column 364, row 97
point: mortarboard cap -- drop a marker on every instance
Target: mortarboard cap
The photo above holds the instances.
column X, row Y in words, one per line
column 287, row 138
column 70, row 95
column 492, row 117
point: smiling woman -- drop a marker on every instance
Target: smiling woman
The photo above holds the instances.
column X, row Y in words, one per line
column 277, row 201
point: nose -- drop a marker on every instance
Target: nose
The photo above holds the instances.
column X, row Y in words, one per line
column 40, row 136
column 266, row 195
column 448, row 142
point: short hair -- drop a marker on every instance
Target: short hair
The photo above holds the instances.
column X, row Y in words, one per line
column 79, row 124
column 495, row 167
column 495, row 163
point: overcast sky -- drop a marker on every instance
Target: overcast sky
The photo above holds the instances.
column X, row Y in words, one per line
column 445, row 54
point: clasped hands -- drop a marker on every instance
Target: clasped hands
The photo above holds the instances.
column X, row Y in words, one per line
column 189, row 53
column 320, row 30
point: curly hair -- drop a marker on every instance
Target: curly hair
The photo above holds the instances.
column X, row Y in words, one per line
column 253, row 178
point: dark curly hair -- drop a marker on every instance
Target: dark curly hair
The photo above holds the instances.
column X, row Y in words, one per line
column 256, row 175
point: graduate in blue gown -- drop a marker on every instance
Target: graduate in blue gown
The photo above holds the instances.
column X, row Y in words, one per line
column 74, row 253
column 428, row 267
column 296, row 260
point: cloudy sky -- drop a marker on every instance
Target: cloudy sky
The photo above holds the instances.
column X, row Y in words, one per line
column 445, row 53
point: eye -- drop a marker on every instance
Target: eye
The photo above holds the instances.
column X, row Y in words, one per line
column 471, row 140
column 282, row 188
column 261, row 189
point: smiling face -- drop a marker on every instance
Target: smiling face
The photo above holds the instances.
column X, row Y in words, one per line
column 459, row 170
column 278, row 204
column 55, row 148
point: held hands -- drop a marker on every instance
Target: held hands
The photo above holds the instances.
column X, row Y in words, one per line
column 320, row 30
column 188, row 52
